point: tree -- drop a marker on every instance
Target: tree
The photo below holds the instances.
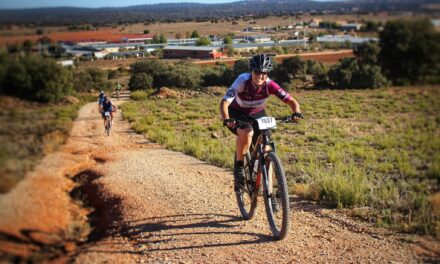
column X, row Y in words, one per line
column 203, row 41
column 227, row 40
column 140, row 81
column 410, row 51
column 37, row 78
column 240, row 67
column 195, row 34
column 367, row 52
column 352, row 73
column 146, row 31
column 289, row 69
column 27, row 45
column 371, row 26
column 230, row 50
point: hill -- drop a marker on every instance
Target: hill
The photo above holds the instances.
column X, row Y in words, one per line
column 201, row 12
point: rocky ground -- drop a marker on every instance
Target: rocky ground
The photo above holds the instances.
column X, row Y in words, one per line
column 148, row 204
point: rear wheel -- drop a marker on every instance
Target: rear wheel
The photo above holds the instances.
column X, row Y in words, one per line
column 246, row 199
column 276, row 199
column 108, row 125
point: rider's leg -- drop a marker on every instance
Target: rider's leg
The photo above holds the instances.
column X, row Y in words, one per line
column 244, row 140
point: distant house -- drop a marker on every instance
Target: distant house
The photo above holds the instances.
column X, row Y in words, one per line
column 66, row 63
column 195, row 52
column 188, row 41
column 435, row 22
column 350, row 27
column 345, row 38
column 259, row 38
column 100, row 54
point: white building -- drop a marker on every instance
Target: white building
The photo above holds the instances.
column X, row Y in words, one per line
column 259, row 38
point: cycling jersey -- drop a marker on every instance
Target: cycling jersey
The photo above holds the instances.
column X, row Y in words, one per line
column 107, row 107
column 101, row 99
column 244, row 97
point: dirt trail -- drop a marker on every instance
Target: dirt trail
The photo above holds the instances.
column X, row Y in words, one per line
column 160, row 206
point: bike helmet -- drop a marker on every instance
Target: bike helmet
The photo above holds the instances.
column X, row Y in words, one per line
column 260, row 63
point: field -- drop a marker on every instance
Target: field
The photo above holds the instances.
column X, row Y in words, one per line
column 58, row 34
column 223, row 27
column 16, row 34
column 377, row 151
column 28, row 132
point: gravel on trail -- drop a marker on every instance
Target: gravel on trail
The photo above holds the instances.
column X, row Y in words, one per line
column 153, row 205
column 174, row 208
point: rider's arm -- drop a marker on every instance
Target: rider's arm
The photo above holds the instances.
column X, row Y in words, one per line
column 224, row 104
column 294, row 105
column 279, row 92
column 236, row 87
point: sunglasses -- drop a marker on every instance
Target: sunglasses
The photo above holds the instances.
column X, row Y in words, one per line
column 259, row 73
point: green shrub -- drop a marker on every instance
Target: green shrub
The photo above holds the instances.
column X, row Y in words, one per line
column 140, row 81
column 91, row 79
column 139, row 95
column 36, row 78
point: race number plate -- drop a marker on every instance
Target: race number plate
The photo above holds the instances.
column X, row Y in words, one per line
column 107, row 113
column 266, row 123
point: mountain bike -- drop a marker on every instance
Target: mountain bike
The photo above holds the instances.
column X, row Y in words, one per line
column 263, row 168
column 108, row 123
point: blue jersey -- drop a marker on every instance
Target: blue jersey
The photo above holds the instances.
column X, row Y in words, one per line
column 100, row 99
column 107, row 107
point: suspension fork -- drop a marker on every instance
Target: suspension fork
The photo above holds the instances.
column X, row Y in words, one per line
column 267, row 181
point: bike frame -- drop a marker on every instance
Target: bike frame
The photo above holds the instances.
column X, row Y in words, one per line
column 263, row 140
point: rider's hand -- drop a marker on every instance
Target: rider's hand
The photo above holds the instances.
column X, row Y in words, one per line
column 229, row 122
column 297, row 116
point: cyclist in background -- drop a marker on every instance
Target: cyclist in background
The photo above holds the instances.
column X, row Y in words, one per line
column 100, row 99
column 118, row 89
column 245, row 101
column 107, row 106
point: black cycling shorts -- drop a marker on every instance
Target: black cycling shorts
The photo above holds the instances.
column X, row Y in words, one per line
column 237, row 115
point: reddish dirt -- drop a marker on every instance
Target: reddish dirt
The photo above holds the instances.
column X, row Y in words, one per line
column 149, row 204
column 106, row 34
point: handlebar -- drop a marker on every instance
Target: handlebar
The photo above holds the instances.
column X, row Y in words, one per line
column 282, row 119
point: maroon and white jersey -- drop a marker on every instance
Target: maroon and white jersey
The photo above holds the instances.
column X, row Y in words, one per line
column 244, row 97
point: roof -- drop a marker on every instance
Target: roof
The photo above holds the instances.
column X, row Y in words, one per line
column 193, row 48
column 344, row 38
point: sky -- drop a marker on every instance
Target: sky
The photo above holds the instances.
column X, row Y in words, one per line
column 12, row 4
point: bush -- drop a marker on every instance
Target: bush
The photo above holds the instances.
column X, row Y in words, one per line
column 140, row 81
column 410, row 52
column 350, row 73
column 185, row 75
column 91, row 79
column 240, row 67
column 36, row 78
column 139, row 95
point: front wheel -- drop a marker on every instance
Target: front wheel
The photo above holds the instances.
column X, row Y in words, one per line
column 108, row 125
column 276, row 197
column 246, row 199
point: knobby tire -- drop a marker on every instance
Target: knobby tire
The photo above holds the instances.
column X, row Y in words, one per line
column 279, row 230
column 247, row 201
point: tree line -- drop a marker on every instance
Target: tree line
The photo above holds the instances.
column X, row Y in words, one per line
column 175, row 12
column 408, row 53
column 38, row 78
